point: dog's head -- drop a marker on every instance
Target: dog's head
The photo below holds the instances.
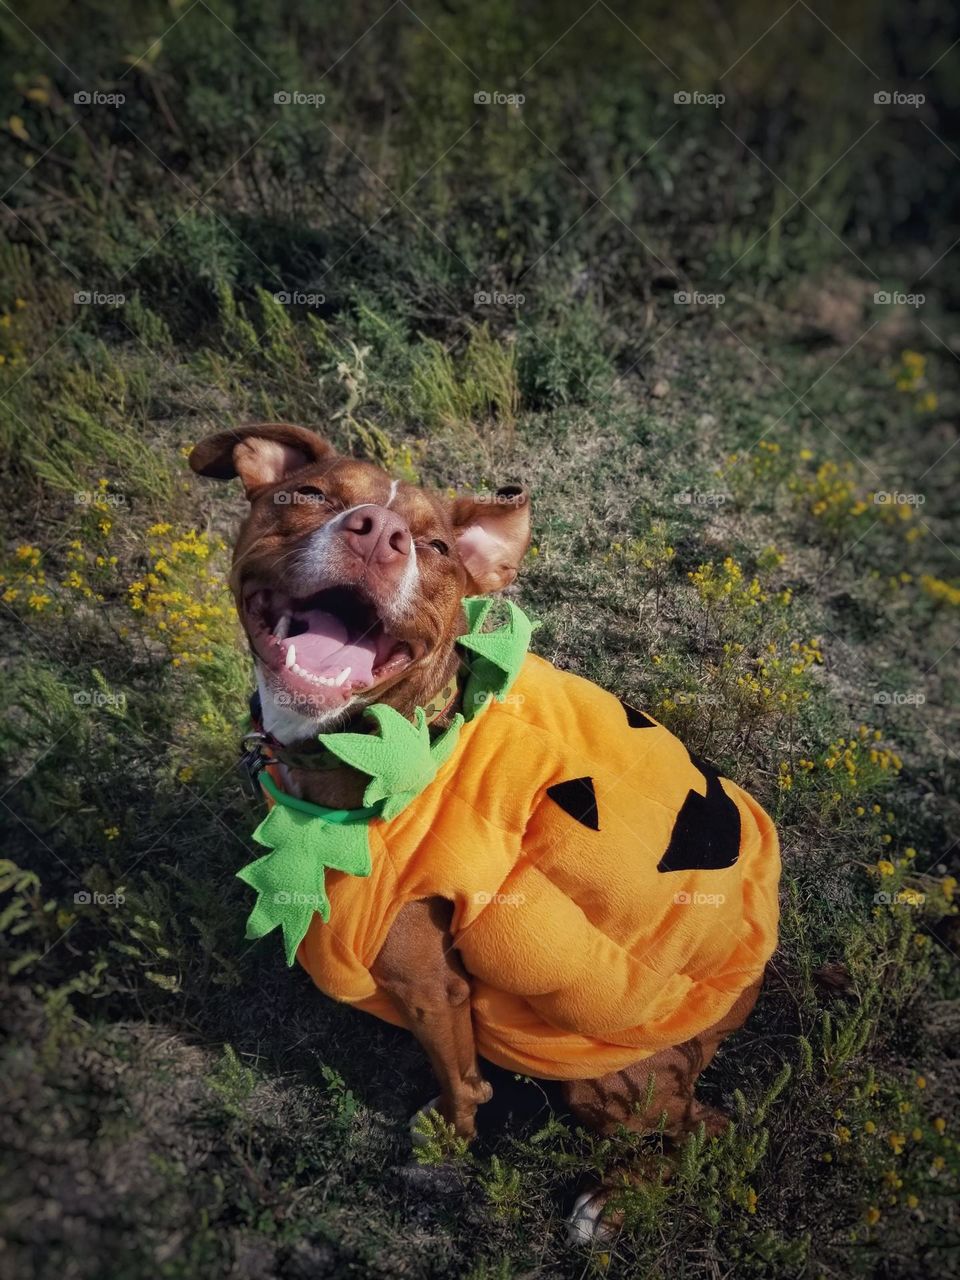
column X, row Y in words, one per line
column 349, row 583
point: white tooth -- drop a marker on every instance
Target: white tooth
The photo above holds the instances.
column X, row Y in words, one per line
column 324, row 680
column 291, row 656
column 342, row 677
column 283, row 626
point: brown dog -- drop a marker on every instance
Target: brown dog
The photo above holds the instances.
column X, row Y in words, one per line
column 349, row 586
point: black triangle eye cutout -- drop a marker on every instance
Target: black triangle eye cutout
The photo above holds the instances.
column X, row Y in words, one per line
column 706, row 834
column 636, row 719
column 577, row 797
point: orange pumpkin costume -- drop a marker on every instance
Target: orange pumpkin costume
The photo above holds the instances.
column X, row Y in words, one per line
column 612, row 896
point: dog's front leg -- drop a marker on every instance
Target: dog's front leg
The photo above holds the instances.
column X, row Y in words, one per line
column 421, row 970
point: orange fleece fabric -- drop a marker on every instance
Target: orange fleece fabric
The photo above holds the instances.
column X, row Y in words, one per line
column 611, row 895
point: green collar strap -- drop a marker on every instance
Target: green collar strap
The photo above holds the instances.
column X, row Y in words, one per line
column 304, row 839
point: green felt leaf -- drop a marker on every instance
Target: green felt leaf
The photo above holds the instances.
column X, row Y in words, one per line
column 446, row 744
column 398, row 759
column 342, row 847
column 497, row 655
column 290, row 880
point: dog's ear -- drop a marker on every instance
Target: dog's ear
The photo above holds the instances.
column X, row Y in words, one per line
column 260, row 453
column 493, row 532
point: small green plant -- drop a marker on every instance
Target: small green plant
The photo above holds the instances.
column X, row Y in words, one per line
column 342, row 1099
column 233, row 1083
column 503, row 1187
column 650, row 557
column 436, row 1141
column 463, row 391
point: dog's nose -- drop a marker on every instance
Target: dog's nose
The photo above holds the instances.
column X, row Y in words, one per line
column 377, row 534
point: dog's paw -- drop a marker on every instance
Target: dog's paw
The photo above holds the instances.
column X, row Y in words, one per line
column 478, row 1090
column 586, row 1227
column 417, row 1137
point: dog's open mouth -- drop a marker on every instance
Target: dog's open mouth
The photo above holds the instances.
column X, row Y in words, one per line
column 326, row 647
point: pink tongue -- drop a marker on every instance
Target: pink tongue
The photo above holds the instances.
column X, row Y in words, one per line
column 325, row 648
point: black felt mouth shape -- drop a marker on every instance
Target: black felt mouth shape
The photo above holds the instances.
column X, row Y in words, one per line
column 577, row 797
column 706, row 834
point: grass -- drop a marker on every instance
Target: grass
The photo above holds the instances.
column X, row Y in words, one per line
column 715, row 540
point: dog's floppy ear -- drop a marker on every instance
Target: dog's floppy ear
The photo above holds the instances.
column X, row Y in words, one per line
column 493, row 532
column 260, row 453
